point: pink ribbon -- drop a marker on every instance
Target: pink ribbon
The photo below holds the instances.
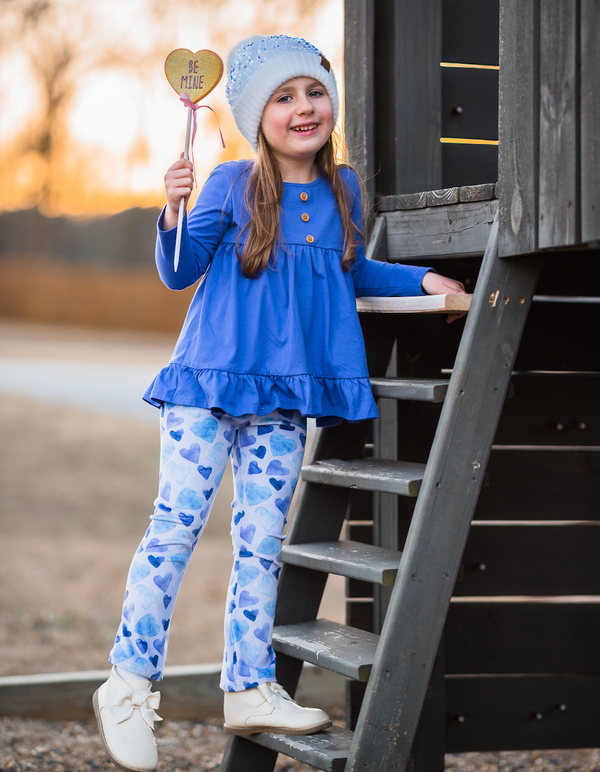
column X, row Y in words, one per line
column 188, row 103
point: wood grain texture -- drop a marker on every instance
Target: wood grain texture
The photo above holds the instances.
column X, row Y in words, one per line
column 460, row 230
column 412, row 389
column 406, row 201
column 400, row 477
column 327, row 750
column 518, row 120
column 443, row 197
column 559, row 212
column 341, row 648
column 466, row 194
column 346, row 558
column 411, row 201
column 485, row 192
column 429, row 304
column 358, row 87
column 590, row 121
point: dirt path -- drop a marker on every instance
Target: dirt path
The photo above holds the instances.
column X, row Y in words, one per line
column 74, row 505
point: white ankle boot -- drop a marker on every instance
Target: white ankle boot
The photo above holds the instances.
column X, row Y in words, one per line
column 125, row 714
column 269, row 708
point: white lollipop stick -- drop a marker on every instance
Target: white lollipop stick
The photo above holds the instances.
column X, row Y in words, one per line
column 182, row 201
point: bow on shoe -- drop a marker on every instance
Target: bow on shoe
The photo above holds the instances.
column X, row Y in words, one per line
column 274, row 693
column 126, row 700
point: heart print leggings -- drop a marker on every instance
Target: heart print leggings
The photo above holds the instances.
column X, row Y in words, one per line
column 196, row 444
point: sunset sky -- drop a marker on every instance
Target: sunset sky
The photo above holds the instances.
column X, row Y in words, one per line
column 117, row 124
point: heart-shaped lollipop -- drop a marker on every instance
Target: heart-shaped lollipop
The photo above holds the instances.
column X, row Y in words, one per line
column 194, row 74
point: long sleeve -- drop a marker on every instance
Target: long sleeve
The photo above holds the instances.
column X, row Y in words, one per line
column 291, row 337
column 373, row 278
column 201, row 233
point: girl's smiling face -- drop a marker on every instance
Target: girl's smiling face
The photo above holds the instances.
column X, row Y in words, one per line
column 297, row 120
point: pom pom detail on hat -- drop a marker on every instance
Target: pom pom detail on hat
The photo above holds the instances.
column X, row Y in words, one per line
column 258, row 65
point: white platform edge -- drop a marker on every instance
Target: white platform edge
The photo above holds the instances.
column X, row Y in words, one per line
column 428, row 304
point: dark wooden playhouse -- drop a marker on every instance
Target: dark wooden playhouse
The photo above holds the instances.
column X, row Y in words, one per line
column 467, row 519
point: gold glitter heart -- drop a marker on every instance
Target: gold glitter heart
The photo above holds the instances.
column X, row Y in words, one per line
column 194, row 74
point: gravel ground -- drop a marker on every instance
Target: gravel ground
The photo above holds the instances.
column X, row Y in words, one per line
column 67, row 746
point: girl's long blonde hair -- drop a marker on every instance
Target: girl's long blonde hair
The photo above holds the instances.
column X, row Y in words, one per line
column 264, row 192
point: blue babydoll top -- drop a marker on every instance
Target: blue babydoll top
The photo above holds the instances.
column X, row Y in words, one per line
column 288, row 339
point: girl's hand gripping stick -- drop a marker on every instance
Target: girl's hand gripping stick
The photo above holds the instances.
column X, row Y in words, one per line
column 193, row 76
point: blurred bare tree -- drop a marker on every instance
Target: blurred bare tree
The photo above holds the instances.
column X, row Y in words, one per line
column 65, row 41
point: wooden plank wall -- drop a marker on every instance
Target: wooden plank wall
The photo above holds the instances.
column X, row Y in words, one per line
column 358, row 87
column 518, row 127
column 590, row 121
column 510, row 652
column 549, row 158
column 559, row 168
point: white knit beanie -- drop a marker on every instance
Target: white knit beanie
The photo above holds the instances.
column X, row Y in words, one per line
column 258, row 65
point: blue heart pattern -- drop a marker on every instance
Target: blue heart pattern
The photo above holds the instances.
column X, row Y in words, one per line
column 196, row 445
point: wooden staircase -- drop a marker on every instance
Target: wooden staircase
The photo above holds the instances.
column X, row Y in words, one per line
column 398, row 663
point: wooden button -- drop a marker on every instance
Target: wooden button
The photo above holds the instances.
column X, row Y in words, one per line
column 305, row 217
column 310, row 239
column 303, row 196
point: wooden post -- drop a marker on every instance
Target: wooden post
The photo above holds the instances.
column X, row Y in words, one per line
column 590, row 121
column 559, row 214
column 385, row 505
column 358, row 87
column 518, row 127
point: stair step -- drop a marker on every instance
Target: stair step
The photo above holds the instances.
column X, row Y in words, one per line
column 327, row 750
column 412, row 389
column 346, row 558
column 427, row 304
column 371, row 474
column 345, row 650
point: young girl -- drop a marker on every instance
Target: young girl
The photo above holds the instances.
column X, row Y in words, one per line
column 271, row 337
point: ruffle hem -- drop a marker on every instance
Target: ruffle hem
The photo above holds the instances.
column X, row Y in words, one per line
column 329, row 400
